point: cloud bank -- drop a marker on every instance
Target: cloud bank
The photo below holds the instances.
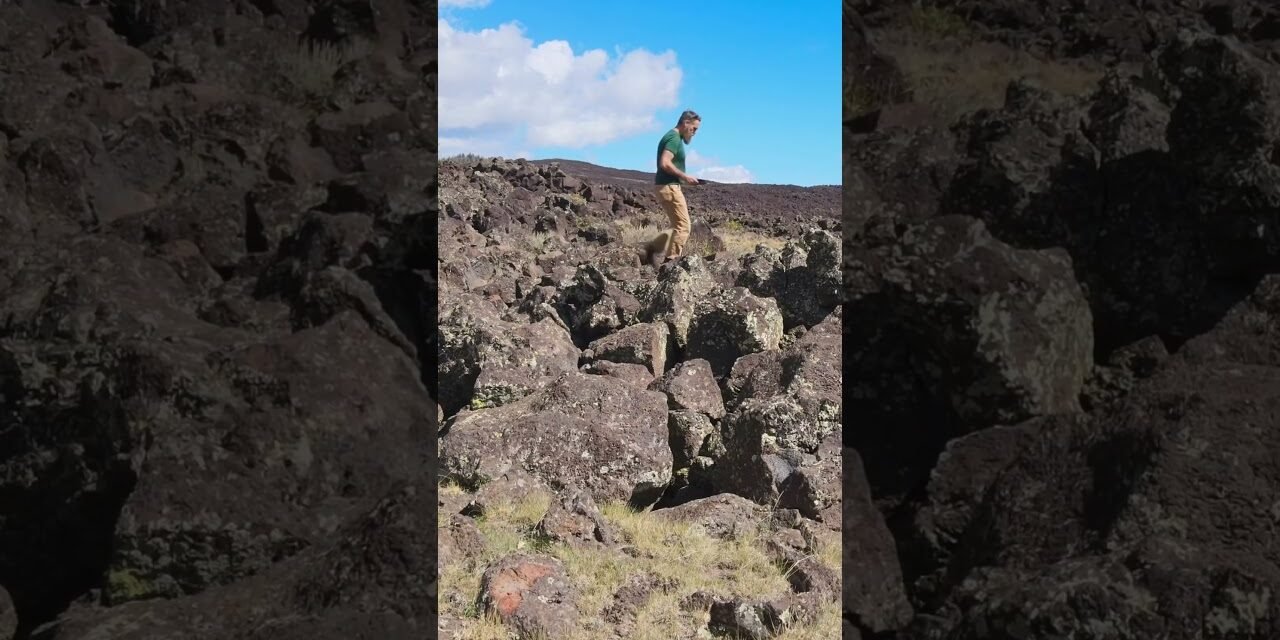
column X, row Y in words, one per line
column 499, row 91
column 707, row 168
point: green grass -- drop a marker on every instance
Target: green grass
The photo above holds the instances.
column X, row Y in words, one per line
column 932, row 22
column 663, row 547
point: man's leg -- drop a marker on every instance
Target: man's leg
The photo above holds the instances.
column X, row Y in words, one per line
column 679, row 213
column 660, row 247
column 656, row 249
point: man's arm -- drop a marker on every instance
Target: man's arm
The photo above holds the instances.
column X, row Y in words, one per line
column 670, row 167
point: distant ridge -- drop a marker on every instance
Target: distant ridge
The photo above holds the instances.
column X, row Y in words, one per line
column 626, row 177
column 594, row 172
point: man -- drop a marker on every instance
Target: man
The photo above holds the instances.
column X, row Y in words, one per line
column 670, row 173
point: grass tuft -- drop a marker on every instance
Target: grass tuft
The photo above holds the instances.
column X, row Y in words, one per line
column 936, row 23
column 312, row 65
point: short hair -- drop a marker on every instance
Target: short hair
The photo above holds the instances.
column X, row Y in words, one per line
column 689, row 115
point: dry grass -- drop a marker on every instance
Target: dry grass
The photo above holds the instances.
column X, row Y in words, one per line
column 638, row 231
column 741, row 243
column 539, row 241
column 679, row 552
column 954, row 80
column 487, row 628
column 738, row 240
column 312, row 66
column 951, row 71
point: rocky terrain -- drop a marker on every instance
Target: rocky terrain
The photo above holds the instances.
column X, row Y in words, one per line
column 777, row 209
column 1062, row 361
column 216, row 249
column 631, row 452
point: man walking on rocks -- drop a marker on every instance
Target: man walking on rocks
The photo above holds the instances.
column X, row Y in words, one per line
column 670, row 173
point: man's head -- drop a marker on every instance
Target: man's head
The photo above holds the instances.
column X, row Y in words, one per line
column 688, row 125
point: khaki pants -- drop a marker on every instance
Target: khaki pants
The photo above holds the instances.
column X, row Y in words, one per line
column 677, row 209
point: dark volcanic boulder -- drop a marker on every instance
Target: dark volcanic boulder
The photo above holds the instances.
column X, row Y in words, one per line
column 785, row 404
column 644, row 344
column 761, row 619
column 636, row 375
column 349, row 586
column 1247, row 334
column 874, row 595
column 756, row 375
column 592, row 305
column 174, row 548
column 1222, row 135
column 593, row 431
column 8, row 616
column 814, row 487
column 960, row 332
column 575, row 520
column 762, row 442
column 811, row 372
column 681, row 285
column 804, row 279
column 901, row 173
column 1167, row 589
column 458, row 541
column 1171, row 173
column 531, row 594
column 1154, row 507
column 792, row 550
column 689, row 434
column 690, row 386
column 381, row 563
column 148, row 399
column 724, row 516
column 731, row 324
column 351, row 134
column 966, row 470
column 1030, row 172
column 475, row 338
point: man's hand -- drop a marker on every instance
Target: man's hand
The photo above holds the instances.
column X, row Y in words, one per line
column 688, row 179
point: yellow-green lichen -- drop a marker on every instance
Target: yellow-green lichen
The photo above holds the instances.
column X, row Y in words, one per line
column 124, row 585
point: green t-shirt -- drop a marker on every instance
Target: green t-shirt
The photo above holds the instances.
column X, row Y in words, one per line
column 670, row 142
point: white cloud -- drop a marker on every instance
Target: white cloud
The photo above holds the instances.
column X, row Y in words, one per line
column 736, row 174
column 463, row 4
column 499, row 88
column 707, row 168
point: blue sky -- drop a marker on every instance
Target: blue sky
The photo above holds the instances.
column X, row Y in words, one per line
column 602, row 81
